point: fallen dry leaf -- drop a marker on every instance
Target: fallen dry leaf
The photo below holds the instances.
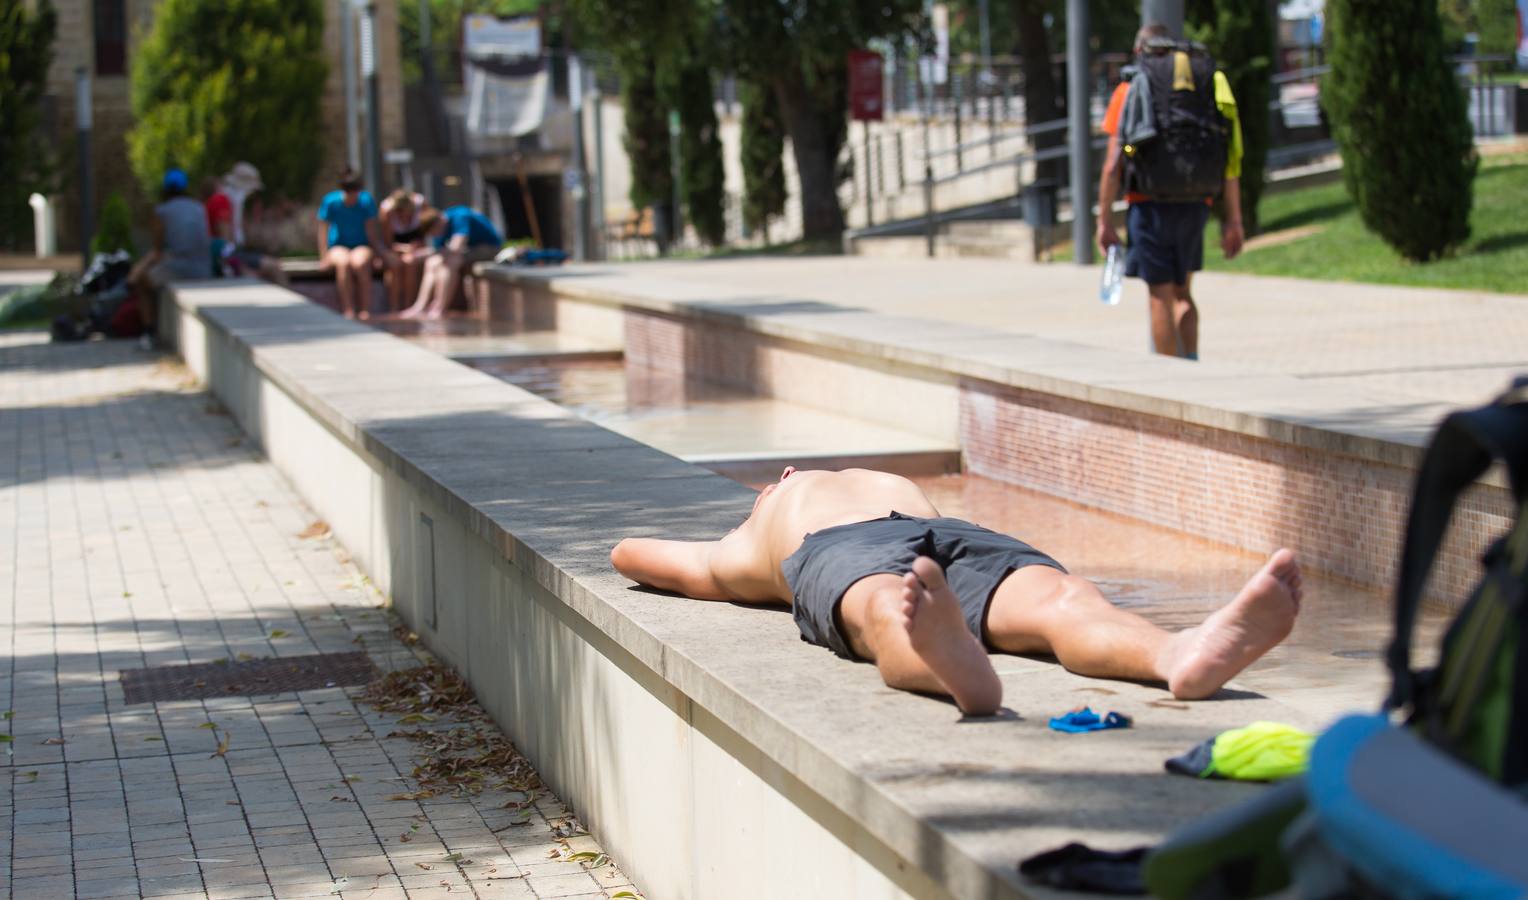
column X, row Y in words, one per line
column 317, row 529
column 222, row 749
column 54, row 741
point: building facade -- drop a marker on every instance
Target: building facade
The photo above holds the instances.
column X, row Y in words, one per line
column 102, row 35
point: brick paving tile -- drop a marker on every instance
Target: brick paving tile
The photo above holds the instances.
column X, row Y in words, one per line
column 139, row 527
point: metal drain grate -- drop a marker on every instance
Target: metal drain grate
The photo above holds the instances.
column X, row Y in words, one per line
column 246, row 678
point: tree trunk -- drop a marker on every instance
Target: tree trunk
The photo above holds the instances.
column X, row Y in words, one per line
column 1041, row 100
column 821, row 216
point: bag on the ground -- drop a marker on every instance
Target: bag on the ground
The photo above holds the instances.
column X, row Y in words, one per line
column 1184, row 157
column 1438, row 806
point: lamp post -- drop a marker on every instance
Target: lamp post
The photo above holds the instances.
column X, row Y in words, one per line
column 1080, row 129
column 1164, row 12
column 348, row 67
column 373, row 101
column 87, row 181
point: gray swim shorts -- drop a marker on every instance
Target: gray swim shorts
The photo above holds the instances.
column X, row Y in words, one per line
column 830, row 561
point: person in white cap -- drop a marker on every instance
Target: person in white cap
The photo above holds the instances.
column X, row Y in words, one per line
column 224, row 199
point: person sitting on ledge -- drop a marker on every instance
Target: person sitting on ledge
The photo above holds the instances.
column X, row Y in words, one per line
column 462, row 236
column 873, row 572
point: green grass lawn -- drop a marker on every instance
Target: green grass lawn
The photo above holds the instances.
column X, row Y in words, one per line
column 1494, row 259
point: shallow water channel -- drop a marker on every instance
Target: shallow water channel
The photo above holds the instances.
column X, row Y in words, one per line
column 1331, row 662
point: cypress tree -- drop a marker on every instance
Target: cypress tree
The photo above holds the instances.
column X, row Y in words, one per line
column 763, row 153
column 702, row 178
column 647, row 148
column 26, row 49
column 1240, row 35
column 1399, row 116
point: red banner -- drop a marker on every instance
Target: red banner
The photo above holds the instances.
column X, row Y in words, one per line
column 866, row 87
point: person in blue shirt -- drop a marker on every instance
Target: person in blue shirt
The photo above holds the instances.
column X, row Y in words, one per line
column 350, row 242
column 462, row 236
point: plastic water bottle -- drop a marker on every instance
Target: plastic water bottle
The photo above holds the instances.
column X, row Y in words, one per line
column 1114, row 274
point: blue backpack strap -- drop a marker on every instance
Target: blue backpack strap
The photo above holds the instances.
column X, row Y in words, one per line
column 1412, row 819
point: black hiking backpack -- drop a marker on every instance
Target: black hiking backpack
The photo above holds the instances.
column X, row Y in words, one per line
column 1186, row 159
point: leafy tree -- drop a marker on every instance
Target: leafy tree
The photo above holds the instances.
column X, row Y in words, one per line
column 763, row 153
column 799, row 49
column 1498, row 26
column 657, row 49
column 218, row 81
column 26, row 49
column 1399, row 116
column 115, row 232
column 1240, row 34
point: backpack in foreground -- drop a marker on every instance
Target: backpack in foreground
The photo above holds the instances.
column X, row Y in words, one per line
column 1186, row 159
column 1437, row 807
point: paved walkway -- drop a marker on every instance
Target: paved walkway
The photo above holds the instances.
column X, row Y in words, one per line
column 1432, row 345
column 138, row 528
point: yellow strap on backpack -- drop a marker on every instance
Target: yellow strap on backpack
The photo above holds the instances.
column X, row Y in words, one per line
column 1183, row 71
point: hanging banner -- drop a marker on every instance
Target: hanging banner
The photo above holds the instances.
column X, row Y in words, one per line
column 504, row 74
column 867, row 101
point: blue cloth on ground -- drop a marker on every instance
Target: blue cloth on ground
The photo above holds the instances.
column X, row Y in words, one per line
column 476, row 226
column 347, row 224
column 1080, row 720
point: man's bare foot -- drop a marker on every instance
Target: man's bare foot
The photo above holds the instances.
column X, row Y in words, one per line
column 1201, row 659
column 938, row 632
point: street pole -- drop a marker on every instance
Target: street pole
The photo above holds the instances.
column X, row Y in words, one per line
column 676, row 220
column 580, row 189
column 82, row 126
column 1080, row 129
column 1164, row 12
column 986, row 40
column 347, row 61
column 597, row 103
column 373, row 99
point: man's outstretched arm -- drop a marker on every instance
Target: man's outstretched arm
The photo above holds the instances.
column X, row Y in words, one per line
column 683, row 567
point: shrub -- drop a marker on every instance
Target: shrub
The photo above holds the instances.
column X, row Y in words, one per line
column 115, row 231
column 763, row 155
column 1399, row 116
column 218, row 81
column 26, row 49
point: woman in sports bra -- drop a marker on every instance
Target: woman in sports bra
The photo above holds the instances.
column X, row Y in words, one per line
column 400, row 230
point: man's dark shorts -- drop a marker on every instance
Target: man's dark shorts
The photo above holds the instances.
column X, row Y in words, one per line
column 1166, row 241
column 829, row 561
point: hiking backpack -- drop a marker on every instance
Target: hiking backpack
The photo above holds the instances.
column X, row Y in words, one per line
column 1439, row 806
column 1186, row 159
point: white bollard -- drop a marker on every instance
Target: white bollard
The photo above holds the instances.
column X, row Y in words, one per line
column 44, row 233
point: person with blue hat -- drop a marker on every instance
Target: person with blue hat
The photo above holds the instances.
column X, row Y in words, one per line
column 182, row 244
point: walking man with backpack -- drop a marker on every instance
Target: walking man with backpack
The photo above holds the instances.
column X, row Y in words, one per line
column 1175, row 144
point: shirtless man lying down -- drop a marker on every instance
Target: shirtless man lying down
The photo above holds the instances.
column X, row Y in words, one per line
column 873, row 572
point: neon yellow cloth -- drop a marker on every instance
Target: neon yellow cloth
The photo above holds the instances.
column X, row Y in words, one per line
column 1225, row 101
column 1263, row 751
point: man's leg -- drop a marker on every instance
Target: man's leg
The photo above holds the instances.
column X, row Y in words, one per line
column 360, row 271
column 1038, row 609
column 338, row 259
column 1164, row 321
column 1186, row 315
column 911, row 626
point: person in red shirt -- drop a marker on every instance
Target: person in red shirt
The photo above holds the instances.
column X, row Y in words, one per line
column 220, row 223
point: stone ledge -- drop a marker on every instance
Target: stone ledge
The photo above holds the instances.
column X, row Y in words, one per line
column 1387, row 428
column 938, row 805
